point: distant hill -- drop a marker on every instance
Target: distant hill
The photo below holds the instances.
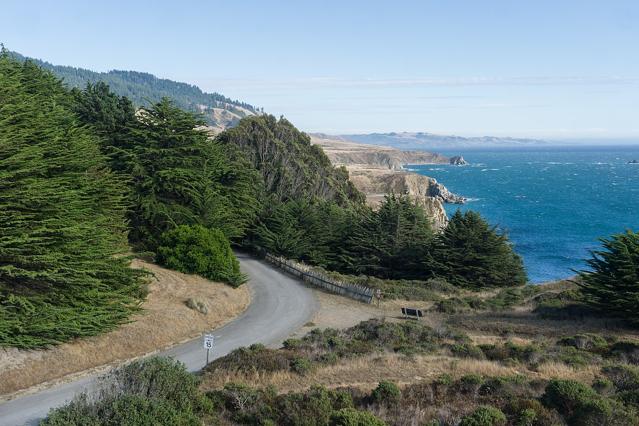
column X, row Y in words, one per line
column 143, row 88
column 430, row 141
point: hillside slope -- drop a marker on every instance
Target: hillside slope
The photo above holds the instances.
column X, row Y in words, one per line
column 144, row 89
column 291, row 167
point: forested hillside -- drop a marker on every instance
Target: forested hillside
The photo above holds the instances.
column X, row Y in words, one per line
column 86, row 176
column 290, row 166
column 144, row 89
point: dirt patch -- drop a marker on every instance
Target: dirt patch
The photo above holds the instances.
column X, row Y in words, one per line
column 339, row 312
column 165, row 321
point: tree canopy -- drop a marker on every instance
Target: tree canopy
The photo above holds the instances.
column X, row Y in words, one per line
column 176, row 173
column 612, row 283
column 62, row 273
column 472, row 254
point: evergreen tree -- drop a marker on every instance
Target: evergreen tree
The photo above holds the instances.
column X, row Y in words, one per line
column 612, row 284
column 62, row 273
column 391, row 241
column 291, row 168
column 472, row 254
column 176, row 173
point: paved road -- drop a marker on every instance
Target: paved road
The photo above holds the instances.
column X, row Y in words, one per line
column 279, row 305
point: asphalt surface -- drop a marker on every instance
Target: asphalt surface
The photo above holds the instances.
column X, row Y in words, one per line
column 279, row 305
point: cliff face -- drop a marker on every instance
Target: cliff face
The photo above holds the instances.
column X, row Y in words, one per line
column 346, row 153
column 377, row 171
column 426, row 191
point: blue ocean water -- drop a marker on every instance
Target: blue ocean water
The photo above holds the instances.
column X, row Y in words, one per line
column 554, row 203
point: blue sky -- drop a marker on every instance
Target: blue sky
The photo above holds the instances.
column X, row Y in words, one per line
column 548, row 69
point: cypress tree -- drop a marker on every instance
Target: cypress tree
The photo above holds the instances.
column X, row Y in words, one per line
column 612, row 284
column 472, row 254
column 62, row 227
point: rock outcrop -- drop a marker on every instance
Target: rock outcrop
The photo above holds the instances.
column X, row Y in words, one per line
column 377, row 171
column 458, row 160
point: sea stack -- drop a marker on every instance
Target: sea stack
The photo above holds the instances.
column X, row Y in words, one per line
column 458, row 160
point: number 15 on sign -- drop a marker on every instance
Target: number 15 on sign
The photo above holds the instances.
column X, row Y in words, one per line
column 209, row 339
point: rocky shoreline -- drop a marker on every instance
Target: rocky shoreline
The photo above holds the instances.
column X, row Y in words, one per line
column 377, row 171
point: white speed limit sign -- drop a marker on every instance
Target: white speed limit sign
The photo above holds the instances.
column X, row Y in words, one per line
column 208, row 341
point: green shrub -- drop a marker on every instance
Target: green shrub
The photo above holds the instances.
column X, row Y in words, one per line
column 353, row 417
column 470, row 383
column 527, row 417
column 147, row 392
column 588, row 342
column 603, row 386
column 603, row 411
column 624, row 377
column 626, row 351
column 452, row 305
column 485, row 416
column 301, row 365
column 467, row 350
column 512, row 351
column 530, row 412
column 254, row 358
column 292, row 343
column 198, row 250
column 444, row 379
column 629, row 398
column 313, row 407
column 574, row 357
column 567, row 395
column 386, row 393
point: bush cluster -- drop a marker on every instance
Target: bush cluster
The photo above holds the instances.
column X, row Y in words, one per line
column 152, row 391
column 199, row 250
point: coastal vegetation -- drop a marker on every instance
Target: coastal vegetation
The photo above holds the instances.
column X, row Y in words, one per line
column 612, row 283
column 86, row 176
column 63, row 274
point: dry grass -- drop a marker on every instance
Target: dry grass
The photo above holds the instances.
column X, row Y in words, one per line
column 165, row 321
column 366, row 372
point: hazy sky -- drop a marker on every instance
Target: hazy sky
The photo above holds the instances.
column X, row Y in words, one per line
column 552, row 69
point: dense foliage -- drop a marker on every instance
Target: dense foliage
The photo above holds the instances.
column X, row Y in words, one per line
column 395, row 241
column 199, row 250
column 470, row 253
column 390, row 242
column 176, row 173
column 148, row 392
column 61, row 219
column 612, row 284
column 291, row 168
column 143, row 88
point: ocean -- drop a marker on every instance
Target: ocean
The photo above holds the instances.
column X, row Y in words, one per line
column 554, row 203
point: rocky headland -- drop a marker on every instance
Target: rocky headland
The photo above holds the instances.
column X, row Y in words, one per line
column 379, row 170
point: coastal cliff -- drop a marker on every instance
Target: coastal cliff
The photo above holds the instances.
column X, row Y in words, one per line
column 343, row 152
column 377, row 171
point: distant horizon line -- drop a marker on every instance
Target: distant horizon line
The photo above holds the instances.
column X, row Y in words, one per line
column 551, row 139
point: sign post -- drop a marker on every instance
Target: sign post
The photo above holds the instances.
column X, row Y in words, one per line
column 209, row 339
column 378, row 296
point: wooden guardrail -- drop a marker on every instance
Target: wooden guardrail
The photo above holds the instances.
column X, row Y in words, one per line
column 306, row 274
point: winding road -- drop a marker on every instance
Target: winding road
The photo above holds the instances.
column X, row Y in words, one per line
column 279, row 306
